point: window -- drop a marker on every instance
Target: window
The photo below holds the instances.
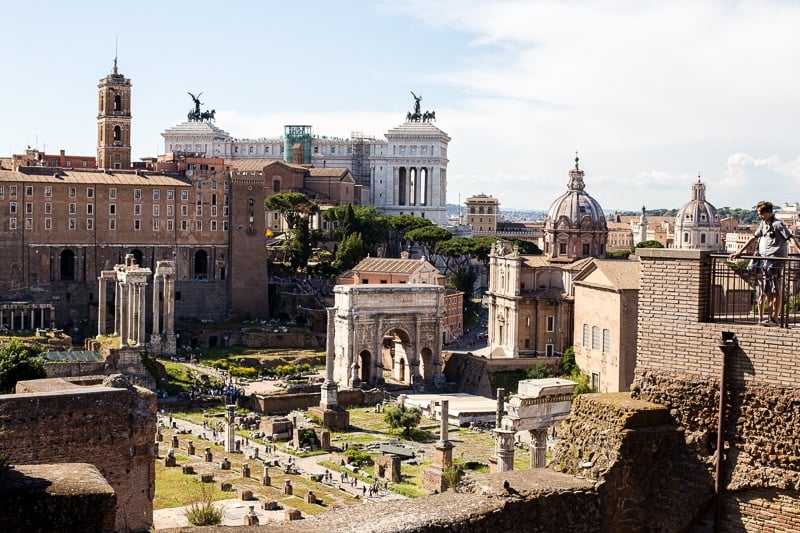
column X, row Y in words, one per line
column 72, row 224
column 527, row 321
column 155, row 224
column 170, row 225
column 213, row 210
column 170, row 210
column 702, row 238
column 28, row 191
column 12, row 223
column 156, row 194
column 585, row 249
column 73, row 209
column 156, row 210
column 225, row 210
column 12, row 207
column 112, row 224
column 48, row 191
column 137, row 194
column 12, row 190
column 2, row 190
column 112, row 209
column 199, row 210
column 184, row 225
column 28, row 223
column 548, row 350
column 595, row 338
column 72, row 192
column 562, row 248
column 276, row 185
column 90, row 209
column 224, row 225
column 606, row 341
column 551, row 323
column 48, row 223
column 170, row 194
column 48, row 208
column 137, row 209
column 333, row 150
column 137, row 224
column 112, row 193
column 89, row 224
column 213, row 225
column 596, row 381
column 586, row 334
column 685, row 237
column 28, row 208
column 184, row 195
column 184, row 210
column 198, row 224
column 89, row 192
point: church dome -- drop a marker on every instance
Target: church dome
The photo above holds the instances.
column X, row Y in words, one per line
column 575, row 226
column 697, row 224
column 576, row 204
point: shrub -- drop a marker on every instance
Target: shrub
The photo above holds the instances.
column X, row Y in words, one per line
column 357, row 457
column 401, row 417
column 540, row 371
column 202, row 511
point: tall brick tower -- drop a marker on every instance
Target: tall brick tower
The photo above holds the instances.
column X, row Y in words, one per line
column 114, row 121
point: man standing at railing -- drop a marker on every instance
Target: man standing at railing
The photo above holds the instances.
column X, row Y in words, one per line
column 773, row 238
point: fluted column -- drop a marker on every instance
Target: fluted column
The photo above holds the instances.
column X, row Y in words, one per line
column 538, row 447
column 122, row 312
column 101, row 306
column 140, row 337
column 156, row 306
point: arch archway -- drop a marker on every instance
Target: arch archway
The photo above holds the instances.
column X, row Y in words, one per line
column 201, row 264
column 138, row 256
column 396, row 348
column 365, row 362
column 67, row 266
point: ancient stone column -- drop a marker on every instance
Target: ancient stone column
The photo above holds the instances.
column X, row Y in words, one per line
column 122, row 313
column 444, row 425
column 140, row 327
column 378, row 366
column 101, row 306
column 230, row 434
column 501, row 398
column 538, row 447
column 328, row 399
column 156, row 306
column 504, row 449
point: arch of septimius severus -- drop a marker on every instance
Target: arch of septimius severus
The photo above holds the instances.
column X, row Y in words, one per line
column 388, row 333
column 130, row 282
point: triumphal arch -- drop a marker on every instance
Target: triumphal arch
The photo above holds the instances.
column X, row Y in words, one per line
column 388, row 334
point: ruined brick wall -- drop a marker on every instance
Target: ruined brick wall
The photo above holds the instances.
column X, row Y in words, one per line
column 285, row 403
column 679, row 366
column 646, row 473
column 109, row 427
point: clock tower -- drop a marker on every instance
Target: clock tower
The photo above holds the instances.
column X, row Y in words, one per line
column 114, row 121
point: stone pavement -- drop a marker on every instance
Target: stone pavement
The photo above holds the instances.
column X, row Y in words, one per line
column 233, row 510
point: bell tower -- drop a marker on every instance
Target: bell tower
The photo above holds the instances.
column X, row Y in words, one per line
column 114, row 121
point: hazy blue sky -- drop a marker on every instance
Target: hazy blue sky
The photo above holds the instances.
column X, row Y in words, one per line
column 650, row 94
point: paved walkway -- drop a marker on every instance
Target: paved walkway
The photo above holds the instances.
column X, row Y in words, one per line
column 233, row 510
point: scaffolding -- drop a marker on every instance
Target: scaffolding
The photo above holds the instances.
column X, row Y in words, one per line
column 360, row 166
column 293, row 134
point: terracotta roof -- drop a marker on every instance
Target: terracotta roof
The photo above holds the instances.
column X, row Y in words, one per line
column 338, row 172
column 112, row 178
column 247, row 164
column 389, row 265
column 617, row 274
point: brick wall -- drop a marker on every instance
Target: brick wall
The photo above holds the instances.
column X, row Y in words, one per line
column 679, row 366
column 109, row 427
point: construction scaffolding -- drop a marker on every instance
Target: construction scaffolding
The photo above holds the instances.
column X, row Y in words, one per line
column 361, row 155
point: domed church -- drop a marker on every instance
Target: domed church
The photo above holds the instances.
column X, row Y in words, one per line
column 575, row 227
column 697, row 224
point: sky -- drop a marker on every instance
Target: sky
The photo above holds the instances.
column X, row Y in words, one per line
column 650, row 95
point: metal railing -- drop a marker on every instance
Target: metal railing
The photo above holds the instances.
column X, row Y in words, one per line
column 736, row 292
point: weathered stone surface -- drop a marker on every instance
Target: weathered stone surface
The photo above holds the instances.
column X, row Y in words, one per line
column 64, row 497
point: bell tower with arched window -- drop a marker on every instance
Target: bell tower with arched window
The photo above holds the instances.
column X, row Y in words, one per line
column 114, row 121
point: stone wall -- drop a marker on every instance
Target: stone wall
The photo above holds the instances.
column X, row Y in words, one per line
column 285, row 403
column 644, row 472
column 679, row 366
column 63, row 497
column 470, row 372
column 111, row 427
column 205, row 299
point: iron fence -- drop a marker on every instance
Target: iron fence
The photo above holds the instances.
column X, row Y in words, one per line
column 736, row 292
